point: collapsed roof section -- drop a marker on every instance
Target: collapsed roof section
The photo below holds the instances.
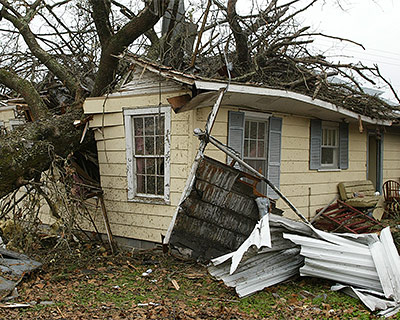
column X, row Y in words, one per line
column 332, row 105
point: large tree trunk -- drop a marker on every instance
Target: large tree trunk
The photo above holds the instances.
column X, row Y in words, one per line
column 25, row 153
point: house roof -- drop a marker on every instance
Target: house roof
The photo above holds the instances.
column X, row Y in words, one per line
column 258, row 96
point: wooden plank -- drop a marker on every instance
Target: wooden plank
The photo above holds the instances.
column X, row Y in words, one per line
column 179, row 143
column 131, row 207
column 180, row 156
column 178, row 184
column 111, row 182
column 179, row 170
column 110, row 156
column 295, row 143
column 109, row 133
column 117, row 103
column 110, row 119
column 111, row 145
column 114, row 169
column 296, row 131
column 134, row 220
column 311, row 177
column 180, row 128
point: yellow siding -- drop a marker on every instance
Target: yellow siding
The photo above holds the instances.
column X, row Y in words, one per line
column 391, row 156
column 144, row 221
column 308, row 189
column 5, row 116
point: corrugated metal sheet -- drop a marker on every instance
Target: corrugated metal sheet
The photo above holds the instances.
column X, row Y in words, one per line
column 264, row 259
column 260, row 271
column 370, row 265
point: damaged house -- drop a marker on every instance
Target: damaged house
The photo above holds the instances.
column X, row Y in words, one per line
column 304, row 146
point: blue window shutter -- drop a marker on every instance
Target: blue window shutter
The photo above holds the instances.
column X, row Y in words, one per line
column 274, row 154
column 315, row 144
column 236, row 132
column 343, row 146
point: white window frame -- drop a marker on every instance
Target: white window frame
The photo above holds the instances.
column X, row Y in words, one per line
column 331, row 126
column 133, row 195
column 258, row 117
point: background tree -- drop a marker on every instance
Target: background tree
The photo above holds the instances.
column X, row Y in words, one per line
column 56, row 53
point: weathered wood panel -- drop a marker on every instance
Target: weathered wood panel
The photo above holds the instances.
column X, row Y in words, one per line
column 218, row 215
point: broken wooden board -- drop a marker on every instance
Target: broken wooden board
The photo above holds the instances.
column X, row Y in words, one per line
column 219, row 213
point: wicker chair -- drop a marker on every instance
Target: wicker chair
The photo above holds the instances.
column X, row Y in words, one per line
column 391, row 192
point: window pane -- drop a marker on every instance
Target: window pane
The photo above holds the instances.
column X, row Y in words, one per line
column 150, row 166
column 327, row 155
column 160, row 167
column 160, row 185
column 138, row 125
column 160, row 145
column 139, row 148
column 159, row 125
column 253, row 151
column 246, row 148
column 149, row 145
column 140, row 186
column 253, row 130
column 149, row 125
column 140, row 166
column 151, row 184
column 246, row 129
column 261, row 130
column 260, row 149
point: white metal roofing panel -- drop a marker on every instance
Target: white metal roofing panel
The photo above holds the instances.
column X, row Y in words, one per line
column 260, row 271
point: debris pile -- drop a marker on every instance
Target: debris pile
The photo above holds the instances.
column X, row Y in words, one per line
column 366, row 266
column 13, row 267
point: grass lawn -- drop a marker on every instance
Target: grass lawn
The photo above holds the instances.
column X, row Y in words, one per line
column 89, row 284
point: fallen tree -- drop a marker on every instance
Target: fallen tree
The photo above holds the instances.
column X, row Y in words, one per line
column 69, row 59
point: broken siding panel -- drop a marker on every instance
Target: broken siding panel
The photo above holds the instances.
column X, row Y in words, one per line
column 145, row 82
column 216, row 200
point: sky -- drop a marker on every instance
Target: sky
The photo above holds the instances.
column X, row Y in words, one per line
column 373, row 23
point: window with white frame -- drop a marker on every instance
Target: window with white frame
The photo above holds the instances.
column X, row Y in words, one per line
column 148, row 148
column 330, row 146
column 256, row 137
column 255, row 146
